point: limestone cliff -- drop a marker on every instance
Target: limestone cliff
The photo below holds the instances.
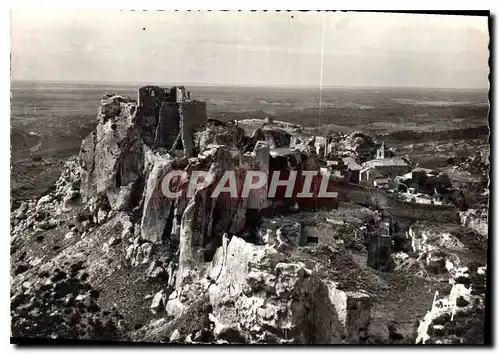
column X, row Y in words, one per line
column 106, row 251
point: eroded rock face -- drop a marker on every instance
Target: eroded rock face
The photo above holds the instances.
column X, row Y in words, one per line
column 215, row 133
column 208, row 215
column 112, row 157
column 157, row 207
column 119, row 166
column 273, row 136
column 280, row 230
column 353, row 309
column 120, row 171
column 259, row 296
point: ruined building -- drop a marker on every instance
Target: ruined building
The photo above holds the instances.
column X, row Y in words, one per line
column 380, row 244
column 168, row 117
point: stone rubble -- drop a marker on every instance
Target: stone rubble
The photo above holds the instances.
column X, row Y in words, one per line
column 459, row 317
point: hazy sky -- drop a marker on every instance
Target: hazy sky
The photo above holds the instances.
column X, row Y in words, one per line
column 295, row 48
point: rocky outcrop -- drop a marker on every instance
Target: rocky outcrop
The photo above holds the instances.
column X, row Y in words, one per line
column 476, row 220
column 223, row 268
column 119, row 168
column 302, row 143
column 112, row 157
column 280, row 230
column 458, row 318
column 158, row 210
column 215, row 133
column 274, row 137
column 437, row 249
column 359, row 143
column 259, row 295
column 426, row 236
column 48, row 211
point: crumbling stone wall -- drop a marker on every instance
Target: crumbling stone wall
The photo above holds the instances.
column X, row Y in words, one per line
column 168, row 125
column 150, row 98
column 168, row 117
column 192, row 114
column 149, row 104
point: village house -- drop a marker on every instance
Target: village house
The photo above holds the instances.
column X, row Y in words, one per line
column 385, row 167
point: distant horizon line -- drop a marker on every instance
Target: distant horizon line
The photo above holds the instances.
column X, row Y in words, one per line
column 145, row 83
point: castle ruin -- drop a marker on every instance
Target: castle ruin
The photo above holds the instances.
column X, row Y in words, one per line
column 169, row 116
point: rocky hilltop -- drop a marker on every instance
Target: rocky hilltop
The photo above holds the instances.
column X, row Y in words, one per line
column 106, row 255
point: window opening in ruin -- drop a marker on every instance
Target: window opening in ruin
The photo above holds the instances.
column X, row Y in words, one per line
column 178, row 145
column 312, row 239
column 152, row 93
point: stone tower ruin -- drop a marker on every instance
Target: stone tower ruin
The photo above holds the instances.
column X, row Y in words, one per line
column 169, row 116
